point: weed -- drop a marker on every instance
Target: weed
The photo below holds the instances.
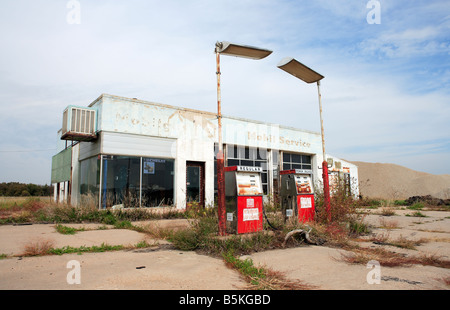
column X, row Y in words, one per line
column 142, row 244
column 65, row 230
column 400, row 202
column 388, row 224
column 391, row 259
column 387, row 212
column 416, row 206
column 68, row 249
column 185, row 239
column 123, row 225
column 358, row 227
column 39, row 247
column 416, row 214
column 260, row 278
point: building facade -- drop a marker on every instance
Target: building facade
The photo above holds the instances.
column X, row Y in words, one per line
column 128, row 152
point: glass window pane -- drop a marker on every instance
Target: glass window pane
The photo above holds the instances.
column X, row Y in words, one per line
column 240, row 152
column 286, row 157
column 275, row 157
column 157, row 182
column 233, row 162
column 261, row 154
column 296, row 166
column 89, row 181
column 296, row 158
column 121, row 181
column 264, row 177
column 306, row 159
column 232, row 151
column 247, row 163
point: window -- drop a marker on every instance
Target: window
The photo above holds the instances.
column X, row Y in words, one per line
column 249, row 156
column 89, row 180
column 296, row 161
column 157, row 182
column 136, row 181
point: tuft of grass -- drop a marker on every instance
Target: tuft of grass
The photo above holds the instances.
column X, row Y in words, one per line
column 387, row 211
column 261, row 278
column 400, row 202
column 142, row 244
column 37, row 248
column 68, row 249
column 416, row 206
column 65, row 230
column 388, row 224
column 416, row 214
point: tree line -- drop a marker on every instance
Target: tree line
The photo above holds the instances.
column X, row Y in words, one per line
column 21, row 189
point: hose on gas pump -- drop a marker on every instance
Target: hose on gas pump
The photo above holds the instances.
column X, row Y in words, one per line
column 267, row 220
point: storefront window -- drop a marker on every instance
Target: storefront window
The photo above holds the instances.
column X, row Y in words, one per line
column 296, row 161
column 89, row 181
column 157, row 182
column 128, row 181
column 249, row 156
column 121, row 181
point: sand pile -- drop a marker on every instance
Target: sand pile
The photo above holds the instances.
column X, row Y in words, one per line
column 390, row 181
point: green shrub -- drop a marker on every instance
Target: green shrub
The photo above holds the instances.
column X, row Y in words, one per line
column 185, row 239
column 416, row 206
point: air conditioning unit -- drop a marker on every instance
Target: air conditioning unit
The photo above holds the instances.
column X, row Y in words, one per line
column 79, row 124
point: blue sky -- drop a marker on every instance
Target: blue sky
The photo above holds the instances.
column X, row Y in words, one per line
column 385, row 93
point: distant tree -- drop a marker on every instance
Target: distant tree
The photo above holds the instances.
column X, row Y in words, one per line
column 21, row 189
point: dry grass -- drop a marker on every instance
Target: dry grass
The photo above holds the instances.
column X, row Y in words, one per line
column 385, row 211
column 37, row 247
column 275, row 280
column 400, row 242
column 388, row 224
column 392, row 259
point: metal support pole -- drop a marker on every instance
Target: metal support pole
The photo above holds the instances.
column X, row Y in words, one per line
column 220, row 158
column 326, row 186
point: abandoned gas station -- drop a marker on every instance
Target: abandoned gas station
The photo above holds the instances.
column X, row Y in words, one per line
column 126, row 152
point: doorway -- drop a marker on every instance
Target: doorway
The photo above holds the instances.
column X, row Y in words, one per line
column 195, row 183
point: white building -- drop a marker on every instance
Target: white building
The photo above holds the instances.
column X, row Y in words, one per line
column 120, row 151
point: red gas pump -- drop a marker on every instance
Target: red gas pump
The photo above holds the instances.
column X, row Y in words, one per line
column 297, row 194
column 244, row 199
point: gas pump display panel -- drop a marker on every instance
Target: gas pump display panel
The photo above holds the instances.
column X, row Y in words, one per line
column 248, row 184
column 303, row 184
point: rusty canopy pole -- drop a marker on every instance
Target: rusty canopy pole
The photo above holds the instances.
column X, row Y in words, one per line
column 220, row 157
column 326, row 186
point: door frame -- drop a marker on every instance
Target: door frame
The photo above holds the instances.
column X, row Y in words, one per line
column 201, row 165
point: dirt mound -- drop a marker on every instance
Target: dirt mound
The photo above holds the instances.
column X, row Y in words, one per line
column 390, row 181
column 428, row 199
